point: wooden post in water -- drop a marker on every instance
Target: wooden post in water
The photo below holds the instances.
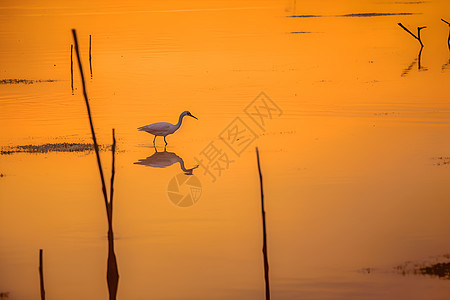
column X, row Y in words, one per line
column 264, row 249
column 90, row 56
column 113, row 171
column 112, row 274
column 86, row 100
column 71, row 67
column 41, row 275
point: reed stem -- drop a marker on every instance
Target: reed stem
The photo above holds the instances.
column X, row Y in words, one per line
column 97, row 154
column 71, row 67
column 41, row 274
column 90, row 56
column 263, row 213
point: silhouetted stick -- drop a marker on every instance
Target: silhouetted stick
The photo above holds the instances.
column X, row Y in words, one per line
column 90, row 57
column 419, row 58
column 263, row 213
column 71, row 67
column 418, row 32
column 448, row 40
column 99, row 163
column 112, row 272
column 41, row 275
column 111, row 193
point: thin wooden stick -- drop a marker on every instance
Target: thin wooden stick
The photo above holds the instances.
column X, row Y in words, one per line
column 41, row 275
column 111, row 193
column 90, row 56
column 112, row 273
column 417, row 37
column 264, row 249
column 419, row 58
column 71, row 67
column 99, row 163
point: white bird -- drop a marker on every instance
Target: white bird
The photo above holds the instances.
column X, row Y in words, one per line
column 164, row 128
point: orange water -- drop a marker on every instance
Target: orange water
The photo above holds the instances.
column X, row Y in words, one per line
column 351, row 167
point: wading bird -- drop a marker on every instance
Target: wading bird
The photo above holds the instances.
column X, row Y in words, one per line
column 164, row 128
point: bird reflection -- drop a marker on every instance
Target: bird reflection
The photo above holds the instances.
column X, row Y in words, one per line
column 164, row 159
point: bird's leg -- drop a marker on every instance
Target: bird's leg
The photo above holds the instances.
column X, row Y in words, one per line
column 154, row 140
column 165, row 140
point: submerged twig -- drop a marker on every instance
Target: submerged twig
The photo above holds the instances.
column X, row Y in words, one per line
column 264, row 249
column 419, row 58
column 417, row 37
column 41, row 274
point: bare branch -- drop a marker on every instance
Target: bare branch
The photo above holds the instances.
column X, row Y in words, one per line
column 263, row 213
column 41, row 274
column 417, row 37
column 407, row 30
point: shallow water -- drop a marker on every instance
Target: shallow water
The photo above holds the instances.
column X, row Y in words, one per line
column 353, row 153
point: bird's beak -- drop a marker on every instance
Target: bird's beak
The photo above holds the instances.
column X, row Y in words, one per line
column 193, row 117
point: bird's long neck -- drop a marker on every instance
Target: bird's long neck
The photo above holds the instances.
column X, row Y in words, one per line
column 179, row 121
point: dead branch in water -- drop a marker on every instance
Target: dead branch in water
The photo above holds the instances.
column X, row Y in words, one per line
column 111, row 192
column 417, row 37
column 90, row 56
column 263, row 213
column 112, row 274
column 41, row 275
column 99, row 163
column 71, row 67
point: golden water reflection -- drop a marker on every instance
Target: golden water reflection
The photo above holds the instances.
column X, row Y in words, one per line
column 164, row 159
